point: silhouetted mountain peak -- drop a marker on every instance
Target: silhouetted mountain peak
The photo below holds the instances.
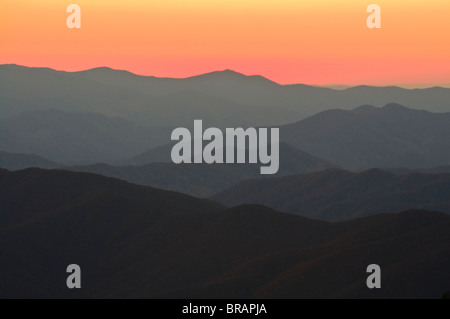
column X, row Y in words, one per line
column 101, row 68
column 107, row 71
column 231, row 75
column 232, row 72
column 12, row 66
column 20, row 69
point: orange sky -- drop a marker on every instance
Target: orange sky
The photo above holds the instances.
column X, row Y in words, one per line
column 288, row 41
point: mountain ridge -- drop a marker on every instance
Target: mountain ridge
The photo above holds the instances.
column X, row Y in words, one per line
column 139, row 242
column 71, row 137
column 114, row 88
column 18, row 161
column 156, row 169
column 339, row 87
column 336, row 194
column 374, row 137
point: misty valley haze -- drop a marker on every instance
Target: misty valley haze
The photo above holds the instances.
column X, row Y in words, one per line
column 103, row 115
column 157, row 187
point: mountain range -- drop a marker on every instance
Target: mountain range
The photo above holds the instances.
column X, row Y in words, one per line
column 390, row 137
column 105, row 115
column 14, row 161
column 366, row 137
column 133, row 241
column 336, row 195
column 363, row 179
column 220, row 98
column 74, row 138
column 121, row 94
column 200, row 179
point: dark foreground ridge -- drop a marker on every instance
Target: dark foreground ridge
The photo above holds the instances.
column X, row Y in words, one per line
column 336, row 195
column 134, row 241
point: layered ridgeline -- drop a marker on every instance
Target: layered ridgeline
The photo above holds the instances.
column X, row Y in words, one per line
column 335, row 195
column 388, row 137
column 14, row 161
column 220, row 98
column 391, row 136
column 104, row 115
column 134, row 241
column 142, row 100
column 75, row 138
column 200, row 179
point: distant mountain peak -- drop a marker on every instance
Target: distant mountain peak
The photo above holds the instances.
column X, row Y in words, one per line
column 12, row 66
column 102, row 68
column 106, row 70
column 18, row 67
column 231, row 75
column 227, row 72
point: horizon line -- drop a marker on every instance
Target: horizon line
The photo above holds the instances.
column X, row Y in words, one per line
column 334, row 86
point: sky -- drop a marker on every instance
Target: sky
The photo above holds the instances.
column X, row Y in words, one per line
column 288, row 41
